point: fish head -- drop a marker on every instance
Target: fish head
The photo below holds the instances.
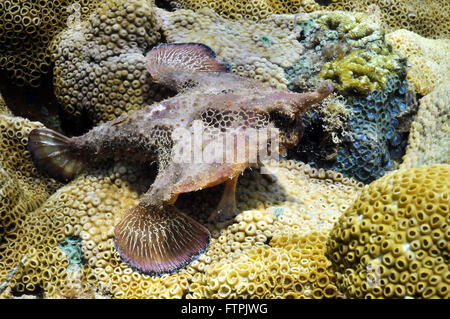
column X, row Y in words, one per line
column 289, row 124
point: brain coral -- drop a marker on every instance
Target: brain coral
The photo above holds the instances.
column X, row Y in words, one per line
column 393, row 241
column 100, row 63
column 429, row 141
column 427, row 18
column 26, row 29
column 429, row 59
column 275, row 247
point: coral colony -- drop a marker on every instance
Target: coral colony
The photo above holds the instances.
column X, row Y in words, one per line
column 210, row 149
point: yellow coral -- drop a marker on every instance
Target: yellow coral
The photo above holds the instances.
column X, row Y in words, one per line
column 429, row 18
column 22, row 188
column 429, row 59
column 26, row 29
column 393, row 241
column 100, row 63
column 429, row 141
column 275, row 247
column 361, row 71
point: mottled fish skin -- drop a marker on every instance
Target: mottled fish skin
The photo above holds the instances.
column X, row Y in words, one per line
column 154, row 237
column 132, row 137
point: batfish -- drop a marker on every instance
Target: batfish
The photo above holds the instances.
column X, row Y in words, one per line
column 155, row 237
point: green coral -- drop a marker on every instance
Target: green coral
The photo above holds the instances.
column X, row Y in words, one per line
column 71, row 246
column 361, row 71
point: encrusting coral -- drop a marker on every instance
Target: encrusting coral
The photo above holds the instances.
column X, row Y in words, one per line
column 427, row 18
column 100, row 64
column 26, row 29
column 429, row 59
column 273, row 248
column 393, row 241
column 22, row 188
column 429, row 141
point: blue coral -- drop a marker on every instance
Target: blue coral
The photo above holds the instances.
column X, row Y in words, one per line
column 376, row 141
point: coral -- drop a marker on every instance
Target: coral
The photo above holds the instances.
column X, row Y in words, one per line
column 378, row 132
column 347, row 48
column 26, row 30
column 366, row 133
column 100, row 64
column 22, row 187
column 429, row 141
column 428, row 19
column 274, row 248
column 3, row 107
column 283, row 225
column 429, row 59
column 257, row 50
column 393, row 241
column 361, row 71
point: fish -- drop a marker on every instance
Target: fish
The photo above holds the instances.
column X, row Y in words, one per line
column 155, row 237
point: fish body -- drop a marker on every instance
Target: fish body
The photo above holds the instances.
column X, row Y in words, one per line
column 155, row 237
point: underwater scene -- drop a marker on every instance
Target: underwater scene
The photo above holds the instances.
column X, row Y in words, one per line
column 201, row 149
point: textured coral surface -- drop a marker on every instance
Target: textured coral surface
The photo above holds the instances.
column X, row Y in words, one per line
column 428, row 18
column 100, row 63
column 429, row 139
column 26, row 29
column 429, row 59
column 393, row 242
column 274, row 247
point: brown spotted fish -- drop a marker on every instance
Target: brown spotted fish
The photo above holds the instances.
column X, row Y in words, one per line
column 154, row 237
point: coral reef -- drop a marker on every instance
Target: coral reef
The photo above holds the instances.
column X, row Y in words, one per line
column 429, row 141
column 427, row 18
column 301, row 231
column 328, row 39
column 26, row 29
column 22, row 187
column 393, row 241
column 100, row 64
column 260, row 50
column 429, row 59
column 283, row 225
column 213, row 108
column 378, row 107
column 361, row 72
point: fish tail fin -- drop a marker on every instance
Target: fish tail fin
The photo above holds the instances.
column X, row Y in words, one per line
column 54, row 154
column 159, row 239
